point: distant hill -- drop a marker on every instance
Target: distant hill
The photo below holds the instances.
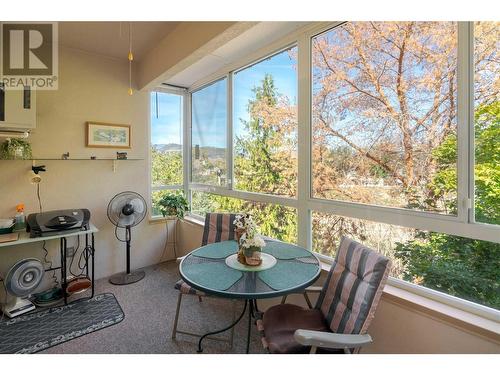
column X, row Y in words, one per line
column 169, row 147
column 213, row 152
column 208, row 152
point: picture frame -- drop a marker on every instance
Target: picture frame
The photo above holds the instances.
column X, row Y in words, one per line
column 106, row 135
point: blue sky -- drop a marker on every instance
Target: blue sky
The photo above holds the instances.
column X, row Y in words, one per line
column 166, row 118
column 283, row 70
column 209, row 115
column 209, row 104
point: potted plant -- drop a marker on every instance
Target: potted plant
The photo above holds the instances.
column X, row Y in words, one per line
column 249, row 240
column 173, row 205
column 14, row 148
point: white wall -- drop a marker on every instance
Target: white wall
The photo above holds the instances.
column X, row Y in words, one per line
column 91, row 88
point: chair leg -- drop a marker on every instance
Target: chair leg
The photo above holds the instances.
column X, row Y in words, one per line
column 231, row 337
column 283, row 300
column 313, row 350
column 308, row 301
column 176, row 319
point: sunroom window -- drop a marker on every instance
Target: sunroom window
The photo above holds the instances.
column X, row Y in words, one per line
column 455, row 265
column 385, row 114
column 487, row 122
column 265, row 126
column 368, row 130
column 208, row 135
column 166, row 145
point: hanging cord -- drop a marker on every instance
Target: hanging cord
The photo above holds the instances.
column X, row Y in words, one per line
column 117, row 237
column 82, row 259
column 4, row 298
column 47, row 261
column 73, row 257
column 174, row 242
column 166, row 243
column 130, row 59
column 156, row 103
column 127, row 235
column 38, row 196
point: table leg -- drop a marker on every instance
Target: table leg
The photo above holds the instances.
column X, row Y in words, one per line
column 249, row 329
column 200, row 349
column 93, row 262
column 63, row 268
column 256, row 308
column 86, row 255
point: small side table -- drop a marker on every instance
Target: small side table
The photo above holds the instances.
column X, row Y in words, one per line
column 169, row 219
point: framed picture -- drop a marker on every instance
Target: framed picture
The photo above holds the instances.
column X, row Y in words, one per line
column 101, row 134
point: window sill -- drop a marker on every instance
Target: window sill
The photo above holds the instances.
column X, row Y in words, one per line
column 437, row 310
column 194, row 220
column 459, row 318
column 159, row 220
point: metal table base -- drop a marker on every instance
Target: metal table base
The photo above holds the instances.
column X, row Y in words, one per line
column 251, row 304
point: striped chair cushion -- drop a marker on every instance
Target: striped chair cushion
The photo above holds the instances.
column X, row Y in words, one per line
column 218, row 227
column 353, row 287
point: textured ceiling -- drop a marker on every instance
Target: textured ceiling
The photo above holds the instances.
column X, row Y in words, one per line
column 111, row 38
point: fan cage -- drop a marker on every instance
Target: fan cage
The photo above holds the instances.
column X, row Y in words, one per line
column 117, row 203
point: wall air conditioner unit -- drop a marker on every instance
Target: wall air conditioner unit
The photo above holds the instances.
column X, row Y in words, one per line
column 17, row 109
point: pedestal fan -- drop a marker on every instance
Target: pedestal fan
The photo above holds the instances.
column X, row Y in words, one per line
column 126, row 210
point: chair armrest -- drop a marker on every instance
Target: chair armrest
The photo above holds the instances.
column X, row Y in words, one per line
column 330, row 340
column 179, row 259
column 314, row 289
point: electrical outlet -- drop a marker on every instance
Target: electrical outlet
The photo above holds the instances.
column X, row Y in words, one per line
column 70, row 251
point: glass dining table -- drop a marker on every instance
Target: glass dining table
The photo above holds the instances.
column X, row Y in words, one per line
column 285, row 269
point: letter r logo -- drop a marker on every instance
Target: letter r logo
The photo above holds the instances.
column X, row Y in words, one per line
column 27, row 49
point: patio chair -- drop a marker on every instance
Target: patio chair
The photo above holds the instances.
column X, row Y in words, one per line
column 218, row 227
column 344, row 310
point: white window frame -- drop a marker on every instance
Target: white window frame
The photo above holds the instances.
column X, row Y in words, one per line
column 190, row 93
column 463, row 224
column 183, row 93
column 288, row 200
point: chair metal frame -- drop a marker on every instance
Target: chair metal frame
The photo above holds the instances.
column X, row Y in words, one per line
column 175, row 329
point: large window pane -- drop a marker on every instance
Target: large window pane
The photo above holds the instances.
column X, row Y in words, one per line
column 384, row 114
column 274, row 220
column 265, row 126
column 487, row 121
column 459, row 266
column 208, row 122
column 166, row 139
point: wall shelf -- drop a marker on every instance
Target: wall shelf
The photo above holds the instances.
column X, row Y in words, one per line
column 114, row 160
column 78, row 159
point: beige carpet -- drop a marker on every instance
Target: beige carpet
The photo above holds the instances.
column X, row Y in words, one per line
column 149, row 307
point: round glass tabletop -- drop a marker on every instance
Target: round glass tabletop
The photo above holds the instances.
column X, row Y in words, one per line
column 206, row 269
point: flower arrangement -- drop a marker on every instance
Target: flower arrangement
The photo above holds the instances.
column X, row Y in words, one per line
column 249, row 240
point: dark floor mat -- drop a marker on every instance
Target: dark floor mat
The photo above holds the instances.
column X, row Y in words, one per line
column 34, row 332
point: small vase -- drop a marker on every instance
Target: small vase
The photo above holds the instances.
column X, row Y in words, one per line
column 252, row 256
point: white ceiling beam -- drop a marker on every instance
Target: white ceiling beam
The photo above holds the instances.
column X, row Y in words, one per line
column 185, row 45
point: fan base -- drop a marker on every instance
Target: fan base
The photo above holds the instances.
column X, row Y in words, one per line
column 17, row 306
column 127, row 278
